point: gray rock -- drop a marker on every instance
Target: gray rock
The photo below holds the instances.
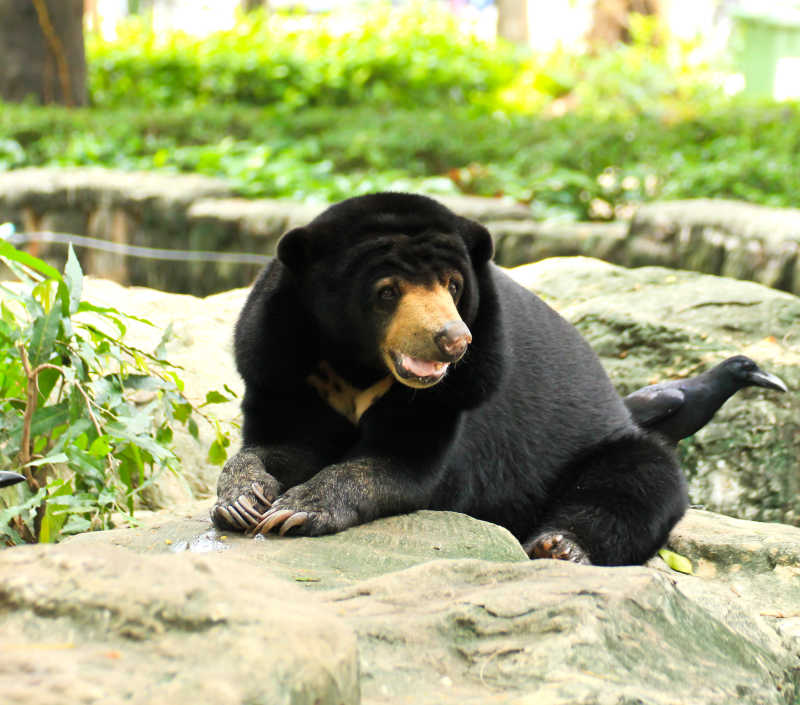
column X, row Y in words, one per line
column 127, row 208
column 717, row 236
column 185, row 211
column 84, row 625
column 338, row 560
column 168, row 613
column 519, row 242
column 551, row 632
column 652, row 324
column 760, row 563
column 47, row 189
column 486, row 210
column 262, row 220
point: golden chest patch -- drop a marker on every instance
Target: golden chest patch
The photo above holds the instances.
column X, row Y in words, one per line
column 351, row 402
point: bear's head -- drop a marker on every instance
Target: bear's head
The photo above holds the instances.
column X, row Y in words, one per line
column 390, row 283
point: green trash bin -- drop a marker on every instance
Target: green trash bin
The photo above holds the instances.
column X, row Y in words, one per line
column 766, row 49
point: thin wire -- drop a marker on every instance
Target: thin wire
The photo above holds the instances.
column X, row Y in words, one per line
column 136, row 250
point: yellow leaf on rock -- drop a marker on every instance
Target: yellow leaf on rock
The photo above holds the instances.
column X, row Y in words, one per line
column 676, row 561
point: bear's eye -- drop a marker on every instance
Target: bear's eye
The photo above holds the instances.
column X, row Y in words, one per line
column 388, row 292
column 454, row 287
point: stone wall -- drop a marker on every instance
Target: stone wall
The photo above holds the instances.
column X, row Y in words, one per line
column 729, row 238
column 190, row 212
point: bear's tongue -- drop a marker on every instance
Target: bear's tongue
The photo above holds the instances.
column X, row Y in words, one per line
column 423, row 368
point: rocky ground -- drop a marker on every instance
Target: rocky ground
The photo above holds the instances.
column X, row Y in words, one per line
column 429, row 608
column 438, row 607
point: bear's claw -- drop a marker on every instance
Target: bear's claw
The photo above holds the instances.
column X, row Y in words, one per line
column 296, row 519
column 227, row 517
column 285, row 518
column 273, row 518
column 259, row 493
column 246, row 511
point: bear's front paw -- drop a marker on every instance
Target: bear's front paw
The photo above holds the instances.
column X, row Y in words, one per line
column 244, row 512
column 244, row 492
column 558, row 545
column 299, row 510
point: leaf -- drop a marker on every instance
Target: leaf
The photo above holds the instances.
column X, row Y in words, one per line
column 73, row 278
column 45, row 420
column 76, row 524
column 145, row 382
column 50, row 460
column 85, row 306
column 676, row 561
column 100, row 447
column 45, row 330
column 39, row 444
column 34, row 263
column 6, row 515
column 217, row 453
column 52, row 521
column 215, row 397
column 112, row 313
column 47, row 380
column 182, row 411
column 160, row 353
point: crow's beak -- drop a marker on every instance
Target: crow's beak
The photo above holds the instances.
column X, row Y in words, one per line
column 10, row 478
column 759, row 378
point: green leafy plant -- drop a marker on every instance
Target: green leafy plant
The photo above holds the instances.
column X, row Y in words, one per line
column 415, row 54
column 87, row 418
column 306, row 107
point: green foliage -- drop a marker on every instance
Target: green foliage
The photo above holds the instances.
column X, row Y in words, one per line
column 405, row 101
column 415, row 55
column 561, row 166
column 85, row 416
column 652, row 75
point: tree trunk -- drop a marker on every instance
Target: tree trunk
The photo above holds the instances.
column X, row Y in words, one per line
column 42, row 54
column 512, row 20
column 610, row 23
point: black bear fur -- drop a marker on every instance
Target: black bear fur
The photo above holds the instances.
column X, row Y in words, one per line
column 525, row 431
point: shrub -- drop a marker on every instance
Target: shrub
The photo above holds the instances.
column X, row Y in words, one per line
column 87, row 418
column 414, row 55
column 561, row 166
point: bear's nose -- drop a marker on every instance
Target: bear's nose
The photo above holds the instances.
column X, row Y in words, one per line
column 453, row 339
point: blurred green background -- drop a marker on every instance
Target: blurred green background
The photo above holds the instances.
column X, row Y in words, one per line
column 325, row 103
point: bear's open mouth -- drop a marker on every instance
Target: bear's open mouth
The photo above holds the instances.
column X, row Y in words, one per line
column 422, row 372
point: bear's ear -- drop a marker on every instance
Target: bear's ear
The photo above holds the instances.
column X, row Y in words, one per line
column 478, row 240
column 293, row 249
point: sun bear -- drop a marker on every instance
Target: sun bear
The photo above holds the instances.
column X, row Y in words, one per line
column 390, row 366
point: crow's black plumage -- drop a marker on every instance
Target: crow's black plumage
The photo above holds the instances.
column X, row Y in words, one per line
column 681, row 407
column 10, row 478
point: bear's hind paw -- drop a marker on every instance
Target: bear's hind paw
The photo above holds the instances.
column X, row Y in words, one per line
column 558, row 545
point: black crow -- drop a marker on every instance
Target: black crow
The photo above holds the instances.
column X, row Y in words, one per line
column 681, row 407
column 10, row 478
